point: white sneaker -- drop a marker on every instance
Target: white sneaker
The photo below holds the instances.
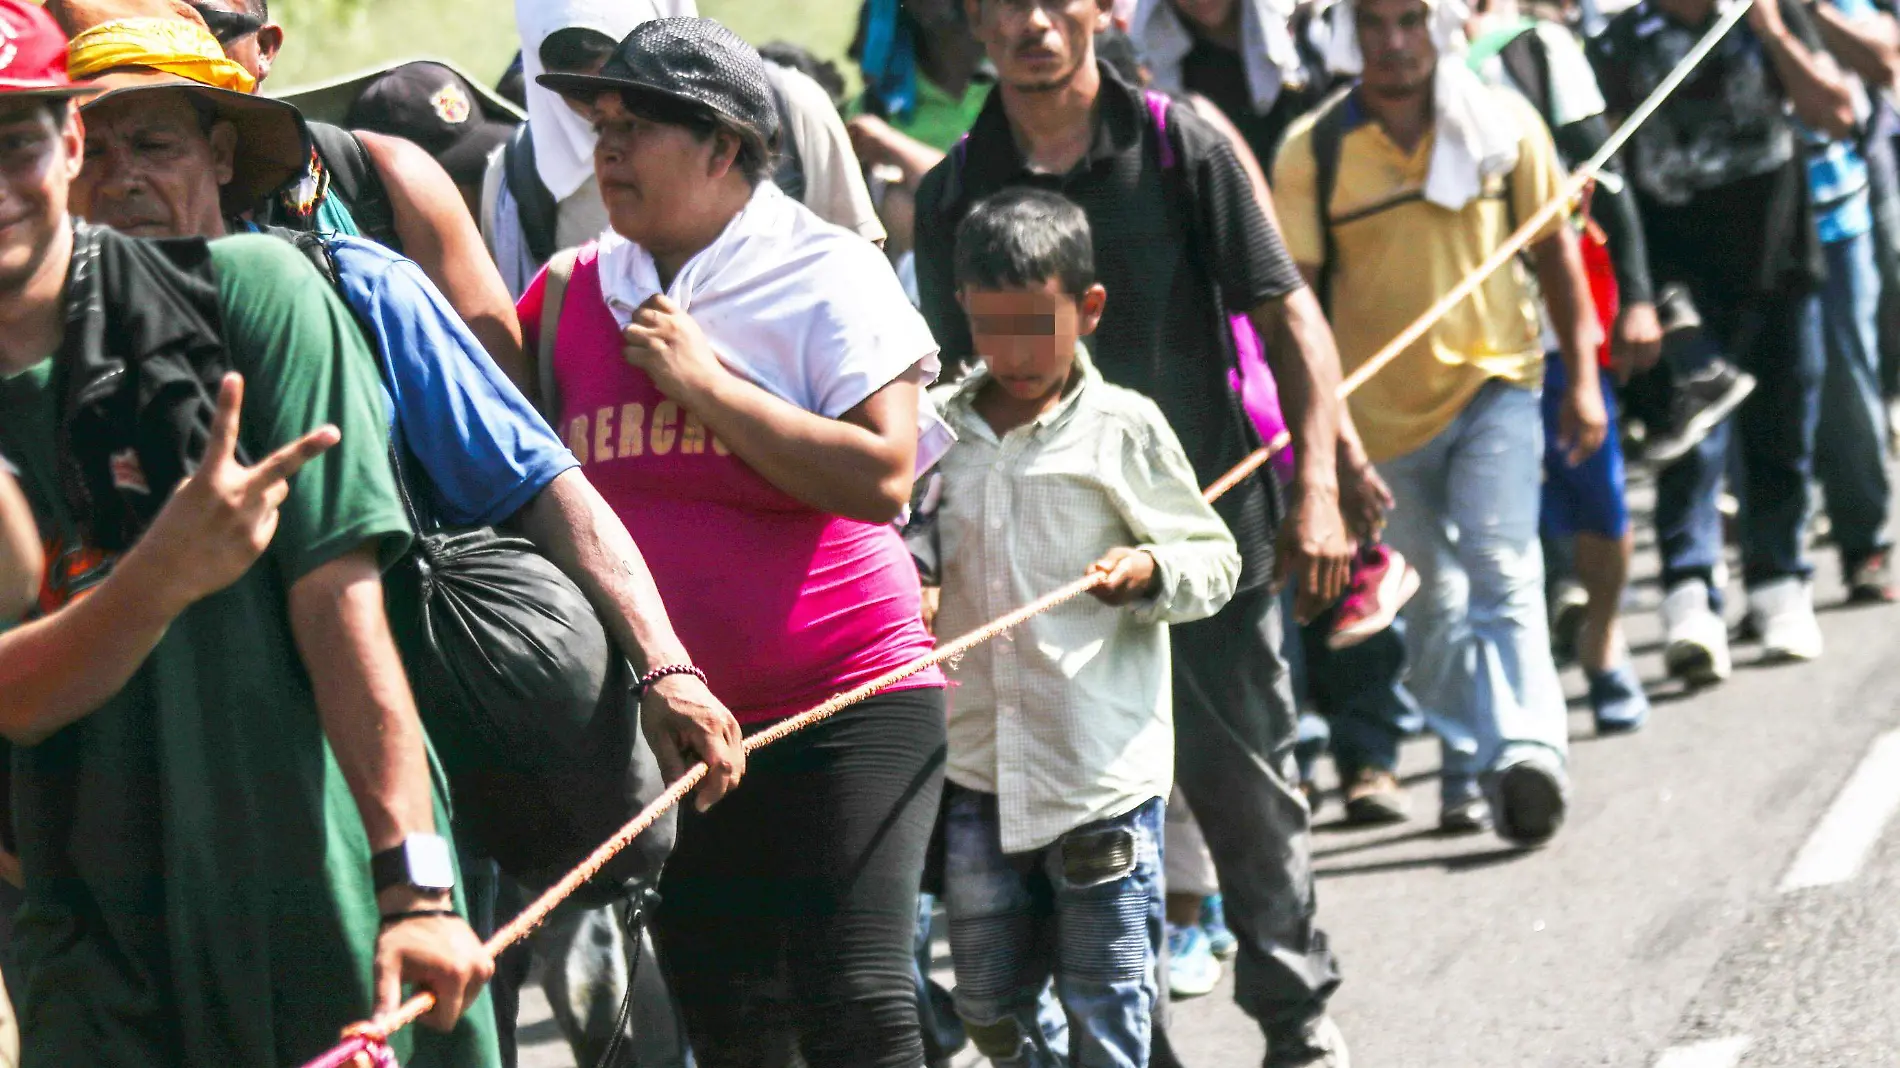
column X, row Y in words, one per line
column 1695, row 639
column 1783, row 614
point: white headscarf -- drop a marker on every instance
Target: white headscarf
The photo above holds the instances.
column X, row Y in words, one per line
column 563, row 142
column 1267, row 51
column 1473, row 138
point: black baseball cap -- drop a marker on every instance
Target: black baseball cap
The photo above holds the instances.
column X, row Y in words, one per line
column 694, row 61
column 430, row 104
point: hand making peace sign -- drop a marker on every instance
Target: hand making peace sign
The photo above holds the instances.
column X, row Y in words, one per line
column 222, row 518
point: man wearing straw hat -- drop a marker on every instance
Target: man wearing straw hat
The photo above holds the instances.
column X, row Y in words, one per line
column 197, row 848
column 1390, row 194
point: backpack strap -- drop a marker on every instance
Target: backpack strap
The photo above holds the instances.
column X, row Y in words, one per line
column 1158, row 114
column 553, row 299
column 353, row 176
column 1329, row 130
column 1527, row 60
column 534, row 203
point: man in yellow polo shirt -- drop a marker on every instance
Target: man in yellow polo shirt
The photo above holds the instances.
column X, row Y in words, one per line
column 1429, row 170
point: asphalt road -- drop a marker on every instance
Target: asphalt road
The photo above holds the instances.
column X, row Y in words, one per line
column 1723, row 895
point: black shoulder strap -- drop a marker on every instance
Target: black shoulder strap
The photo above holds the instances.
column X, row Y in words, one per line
column 353, row 177
column 1329, row 129
column 1528, row 64
column 534, row 203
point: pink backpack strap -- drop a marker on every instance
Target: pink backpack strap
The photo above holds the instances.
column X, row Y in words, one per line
column 1158, row 114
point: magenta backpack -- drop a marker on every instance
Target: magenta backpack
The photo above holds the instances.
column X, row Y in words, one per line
column 1250, row 377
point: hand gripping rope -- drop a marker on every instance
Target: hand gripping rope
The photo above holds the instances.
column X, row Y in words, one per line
column 365, row 1045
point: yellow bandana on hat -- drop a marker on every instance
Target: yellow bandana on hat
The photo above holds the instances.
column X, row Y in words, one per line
column 174, row 46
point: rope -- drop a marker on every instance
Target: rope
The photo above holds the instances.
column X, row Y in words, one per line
column 369, row 1039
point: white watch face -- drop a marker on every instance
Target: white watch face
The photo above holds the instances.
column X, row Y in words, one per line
column 430, row 865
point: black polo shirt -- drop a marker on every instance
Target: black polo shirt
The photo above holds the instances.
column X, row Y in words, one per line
column 1178, row 251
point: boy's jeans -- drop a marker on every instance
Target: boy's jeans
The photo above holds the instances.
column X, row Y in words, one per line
column 1087, row 908
column 1466, row 518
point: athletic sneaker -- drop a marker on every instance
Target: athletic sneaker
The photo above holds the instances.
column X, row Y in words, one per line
column 1617, row 699
column 1529, row 803
column 1783, row 614
column 1380, row 585
column 1700, row 404
column 1695, row 641
column 1220, row 941
column 1470, row 815
column 1192, row 969
column 1675, row 311
column 1374, row 797
column 1569, row 604
column 1317, row 1045
column 1871, row 580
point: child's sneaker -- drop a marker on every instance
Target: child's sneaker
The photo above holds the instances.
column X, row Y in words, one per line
column 1192, row 969
column 1220, row 941
column 1381, row 583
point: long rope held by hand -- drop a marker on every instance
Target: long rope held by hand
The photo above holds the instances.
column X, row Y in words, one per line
column 367, row 1042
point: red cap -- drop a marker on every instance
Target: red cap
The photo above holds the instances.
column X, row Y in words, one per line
column 32, row 52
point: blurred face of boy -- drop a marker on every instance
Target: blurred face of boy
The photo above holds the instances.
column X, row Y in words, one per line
column 1038, row 45
column 1027, row 336
column 38, row 162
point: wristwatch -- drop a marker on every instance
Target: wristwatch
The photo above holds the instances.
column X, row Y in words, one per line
column 422, row 862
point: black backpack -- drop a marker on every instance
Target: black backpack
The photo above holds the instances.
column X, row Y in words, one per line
column 528, row 702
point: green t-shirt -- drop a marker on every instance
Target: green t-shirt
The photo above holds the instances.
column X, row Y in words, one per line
column 939, row 118
column 198, row 889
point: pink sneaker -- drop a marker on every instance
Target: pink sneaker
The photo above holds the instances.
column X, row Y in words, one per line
column 1381, row 584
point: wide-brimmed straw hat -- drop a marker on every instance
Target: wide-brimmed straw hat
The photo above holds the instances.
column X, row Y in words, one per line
column 122, row 47
column 432, row 102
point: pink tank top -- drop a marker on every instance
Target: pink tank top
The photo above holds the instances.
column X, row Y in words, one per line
column 781, row 605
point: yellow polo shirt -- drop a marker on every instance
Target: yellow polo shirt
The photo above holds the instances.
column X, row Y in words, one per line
column 1395, row 254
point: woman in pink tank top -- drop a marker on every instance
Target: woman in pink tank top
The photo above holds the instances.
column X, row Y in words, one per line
column 743, row 382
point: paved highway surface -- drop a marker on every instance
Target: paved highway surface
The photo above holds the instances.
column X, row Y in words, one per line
column 1726, row 893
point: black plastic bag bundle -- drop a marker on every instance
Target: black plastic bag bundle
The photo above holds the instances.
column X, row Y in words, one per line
column 530, row 707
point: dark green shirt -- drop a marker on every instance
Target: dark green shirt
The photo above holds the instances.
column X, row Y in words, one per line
column 198, row 890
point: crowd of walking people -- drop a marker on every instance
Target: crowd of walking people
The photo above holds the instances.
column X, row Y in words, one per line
column 404, row 479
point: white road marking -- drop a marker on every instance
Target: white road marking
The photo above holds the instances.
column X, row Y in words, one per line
column 1715, row 1053
column 1852, row 826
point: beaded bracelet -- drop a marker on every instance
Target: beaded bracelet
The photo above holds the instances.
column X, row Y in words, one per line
column 647, row 680
column 416, row 914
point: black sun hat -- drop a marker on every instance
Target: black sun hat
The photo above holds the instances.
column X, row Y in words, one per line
column 692, row 60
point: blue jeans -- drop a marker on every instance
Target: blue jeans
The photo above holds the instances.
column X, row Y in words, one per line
column 1466, row 517
column 1777, row 338
column 1850, row 445
column 1088, row 908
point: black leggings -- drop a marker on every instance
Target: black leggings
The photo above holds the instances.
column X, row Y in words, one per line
column 788, row 910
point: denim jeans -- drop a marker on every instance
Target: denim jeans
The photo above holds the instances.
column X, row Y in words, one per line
column 1850, row 446
column 1466, row 516
column 1777, row 338
column 1360, row 690
column 1087, row 909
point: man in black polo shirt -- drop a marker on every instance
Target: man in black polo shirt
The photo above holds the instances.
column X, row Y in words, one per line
column 1180, row 248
